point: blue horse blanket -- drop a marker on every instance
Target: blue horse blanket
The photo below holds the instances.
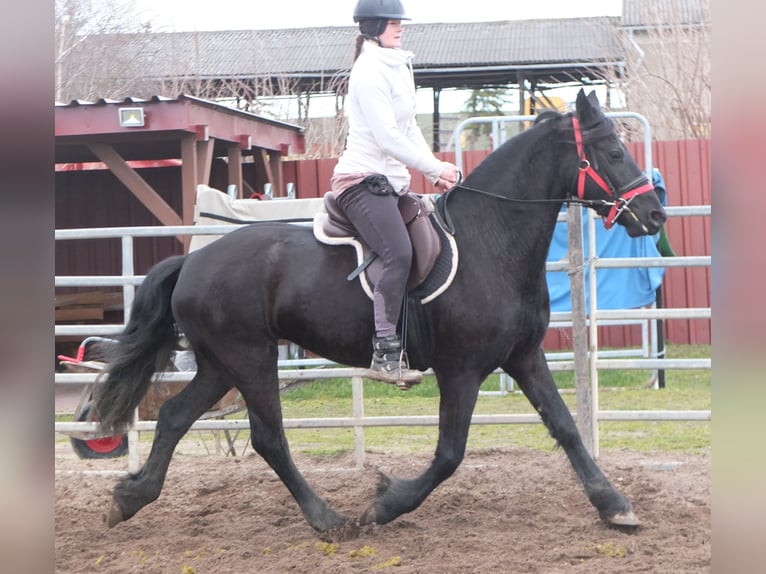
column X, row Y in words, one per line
column 626, row 288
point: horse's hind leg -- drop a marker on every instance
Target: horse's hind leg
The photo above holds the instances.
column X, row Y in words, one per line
column 175, row 417
column 261, row 393
column 269, row 441
column 535, row 380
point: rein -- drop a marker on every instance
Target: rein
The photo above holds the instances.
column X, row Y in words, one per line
column 622, row 197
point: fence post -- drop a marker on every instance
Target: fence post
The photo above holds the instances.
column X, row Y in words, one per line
column 585, row 419
column 357, row 394
column 134, row 457
column 128, row 270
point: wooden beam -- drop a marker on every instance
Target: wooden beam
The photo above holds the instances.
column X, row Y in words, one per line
column 271, row 164
column 275, row 172
column 261, row 160
column 248, row 190
column 204, row 160
column 80, row 298
column 189, row 182
column 136, row 184
column 234, row 154
column 85, row 313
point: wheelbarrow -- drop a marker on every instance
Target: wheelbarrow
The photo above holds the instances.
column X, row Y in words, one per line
column 89, row 360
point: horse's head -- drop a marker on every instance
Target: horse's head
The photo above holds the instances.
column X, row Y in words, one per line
column 607, row 172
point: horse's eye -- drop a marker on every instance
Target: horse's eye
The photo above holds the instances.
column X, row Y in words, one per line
column 616, row 154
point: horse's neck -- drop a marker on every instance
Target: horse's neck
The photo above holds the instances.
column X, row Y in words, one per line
column 521, row 174
column 496, row 228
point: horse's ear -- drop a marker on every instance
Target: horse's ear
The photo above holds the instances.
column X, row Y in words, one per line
column 581, row 104
column 588, row 107
column 593, row 99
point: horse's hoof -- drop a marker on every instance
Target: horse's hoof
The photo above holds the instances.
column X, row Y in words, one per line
column 115, row 516
column 368, row 516
column 624, row 519
column 348, row 531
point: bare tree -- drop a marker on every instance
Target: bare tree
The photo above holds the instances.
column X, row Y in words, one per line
column 284, row 98
column 668, row 68
column 87, row 64
column 326, row 136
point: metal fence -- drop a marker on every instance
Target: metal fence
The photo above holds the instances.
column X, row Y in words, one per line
column 358, row 421
column 586, row 359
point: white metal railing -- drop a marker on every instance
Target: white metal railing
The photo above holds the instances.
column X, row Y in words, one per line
column 358, row 421
column 588, row 394
column 499, row 135
column 128, row 281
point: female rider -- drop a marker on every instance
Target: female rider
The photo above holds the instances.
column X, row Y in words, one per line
column 383, row 141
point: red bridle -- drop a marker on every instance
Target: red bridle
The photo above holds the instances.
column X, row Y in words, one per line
column 586, row 169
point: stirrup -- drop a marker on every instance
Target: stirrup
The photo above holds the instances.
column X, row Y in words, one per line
column 390, row 364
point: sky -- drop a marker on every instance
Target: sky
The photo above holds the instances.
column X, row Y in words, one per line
column 207, row 15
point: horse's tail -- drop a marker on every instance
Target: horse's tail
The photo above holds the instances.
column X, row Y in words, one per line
column 143, row 348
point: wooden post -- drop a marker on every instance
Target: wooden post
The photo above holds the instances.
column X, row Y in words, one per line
column 585, row 422
column 134, row 456
column 189, row 173
column 234, row 153
column 357, row 387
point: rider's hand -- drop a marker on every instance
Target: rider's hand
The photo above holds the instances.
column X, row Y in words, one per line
column 449, row 174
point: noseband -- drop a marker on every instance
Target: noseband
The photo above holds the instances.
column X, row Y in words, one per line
column 622, row 197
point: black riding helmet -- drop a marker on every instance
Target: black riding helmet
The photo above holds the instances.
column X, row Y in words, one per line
column 379, row 10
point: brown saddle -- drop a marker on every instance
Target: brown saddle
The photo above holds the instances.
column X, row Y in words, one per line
column 426, row 244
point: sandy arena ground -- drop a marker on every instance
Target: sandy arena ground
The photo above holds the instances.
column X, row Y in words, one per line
column 504, row 510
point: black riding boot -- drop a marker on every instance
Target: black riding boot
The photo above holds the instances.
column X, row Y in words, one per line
column 389, row 363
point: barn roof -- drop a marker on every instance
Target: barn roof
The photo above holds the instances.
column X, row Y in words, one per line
column 446, row 55
column 652, row 13
column 79, row 124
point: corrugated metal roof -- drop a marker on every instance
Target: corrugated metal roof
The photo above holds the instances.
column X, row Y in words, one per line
column 109, row 101
column 652, row 13
column 220, row 108
column 514, row 42
column 329, row 50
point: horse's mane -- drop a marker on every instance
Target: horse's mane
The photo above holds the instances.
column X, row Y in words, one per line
column 546, row 115
column 597, row 127
column 511, row 148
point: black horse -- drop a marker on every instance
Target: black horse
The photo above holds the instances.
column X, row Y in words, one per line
column 235, row 298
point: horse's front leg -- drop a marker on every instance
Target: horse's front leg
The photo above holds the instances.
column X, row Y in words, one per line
column 397, row 496
column 535, row 380
column 175, row 417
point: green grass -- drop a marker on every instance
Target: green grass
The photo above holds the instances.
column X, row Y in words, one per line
column 618, row 390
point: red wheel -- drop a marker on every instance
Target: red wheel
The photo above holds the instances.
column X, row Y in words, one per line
column 106, row 447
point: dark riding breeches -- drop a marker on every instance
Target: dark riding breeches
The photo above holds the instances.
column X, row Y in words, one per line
column 378, row 221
